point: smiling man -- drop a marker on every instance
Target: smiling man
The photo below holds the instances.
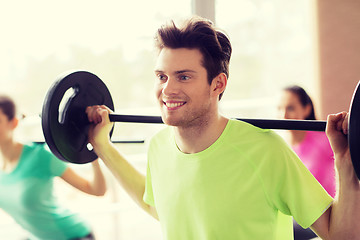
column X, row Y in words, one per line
column 187, row 100
column 210, row 177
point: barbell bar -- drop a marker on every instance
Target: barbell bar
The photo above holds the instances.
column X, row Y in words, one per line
column 310, row 125
column 113, row 141
column 66, row 127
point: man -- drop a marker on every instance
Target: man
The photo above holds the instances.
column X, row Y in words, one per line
column 209, row 177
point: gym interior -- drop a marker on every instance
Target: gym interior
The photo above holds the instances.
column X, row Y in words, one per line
column 276, row 43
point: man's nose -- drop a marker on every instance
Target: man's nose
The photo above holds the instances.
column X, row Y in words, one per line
column 171, row 87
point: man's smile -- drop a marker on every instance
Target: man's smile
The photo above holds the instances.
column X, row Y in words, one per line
column 173, row 105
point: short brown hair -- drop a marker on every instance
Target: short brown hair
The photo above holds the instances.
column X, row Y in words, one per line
column 199, row 33
column 7, row 105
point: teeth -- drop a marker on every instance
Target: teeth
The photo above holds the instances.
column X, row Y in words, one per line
column 173, row 105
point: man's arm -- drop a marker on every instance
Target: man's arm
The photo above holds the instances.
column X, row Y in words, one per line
column 130, row 179
column 342, row 219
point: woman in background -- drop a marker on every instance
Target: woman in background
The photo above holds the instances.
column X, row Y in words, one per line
column 313, row 148
column 26, row 185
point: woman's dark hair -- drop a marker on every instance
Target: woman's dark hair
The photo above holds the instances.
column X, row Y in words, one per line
column 304, row 99
column 199, row 33
column 7, row 105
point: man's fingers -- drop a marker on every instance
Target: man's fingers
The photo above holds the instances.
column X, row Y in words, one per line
column 98, row 114
column 90, row 112
column 332, row 121
column 94, row 114
column 108, row 109
column 103, row 114
column 345, row 125
column 338, row 122
column 342, row 124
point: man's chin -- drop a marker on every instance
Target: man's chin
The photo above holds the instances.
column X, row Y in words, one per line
column 171, row 121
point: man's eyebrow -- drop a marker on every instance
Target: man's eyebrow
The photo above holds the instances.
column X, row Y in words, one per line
column 176, row 72
column 185, row 71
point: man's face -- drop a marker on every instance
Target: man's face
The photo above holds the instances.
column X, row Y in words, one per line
column 182, row 88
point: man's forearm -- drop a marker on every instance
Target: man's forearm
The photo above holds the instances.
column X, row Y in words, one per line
column 131, row 180
column 345, row 213
column 98, row 184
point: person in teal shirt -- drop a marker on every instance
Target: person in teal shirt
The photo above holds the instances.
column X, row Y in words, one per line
column 211, row 177
column 26, row 185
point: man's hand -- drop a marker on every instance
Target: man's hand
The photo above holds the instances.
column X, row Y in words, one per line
column 337, row 130
column 99, row 131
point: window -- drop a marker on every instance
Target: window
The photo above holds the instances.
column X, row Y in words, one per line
column 273, row 46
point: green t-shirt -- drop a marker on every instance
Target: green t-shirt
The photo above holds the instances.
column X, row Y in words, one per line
column 241, row 187
column 26, row 194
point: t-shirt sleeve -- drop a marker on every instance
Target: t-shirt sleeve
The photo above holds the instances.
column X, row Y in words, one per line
column 148, row 195
column 292, row 188
column 56, row 166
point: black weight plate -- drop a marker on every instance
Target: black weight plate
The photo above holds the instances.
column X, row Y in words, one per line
column 354, row 130
column 66, row 132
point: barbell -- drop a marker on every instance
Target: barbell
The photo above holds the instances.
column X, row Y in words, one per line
column 113, row 141
column 65, row 124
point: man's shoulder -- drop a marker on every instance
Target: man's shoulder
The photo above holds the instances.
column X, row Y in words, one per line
column 245, row 129
column 247, row 134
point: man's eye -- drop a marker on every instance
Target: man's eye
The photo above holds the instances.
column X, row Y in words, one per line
column 161, row 77
column 183, row 78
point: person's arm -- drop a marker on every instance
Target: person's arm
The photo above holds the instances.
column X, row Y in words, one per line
column 342, row 219
column 130, row 179
column 95, row 187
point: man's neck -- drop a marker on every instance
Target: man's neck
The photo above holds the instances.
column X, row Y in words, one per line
column 199, row 137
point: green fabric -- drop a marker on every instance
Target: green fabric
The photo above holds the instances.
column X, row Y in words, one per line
column 27, row 195
column 240, row 187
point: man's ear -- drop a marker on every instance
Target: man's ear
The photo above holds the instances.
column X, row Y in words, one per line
column 219, row 84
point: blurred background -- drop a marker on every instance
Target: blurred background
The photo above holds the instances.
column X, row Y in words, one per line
column 276, row 43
